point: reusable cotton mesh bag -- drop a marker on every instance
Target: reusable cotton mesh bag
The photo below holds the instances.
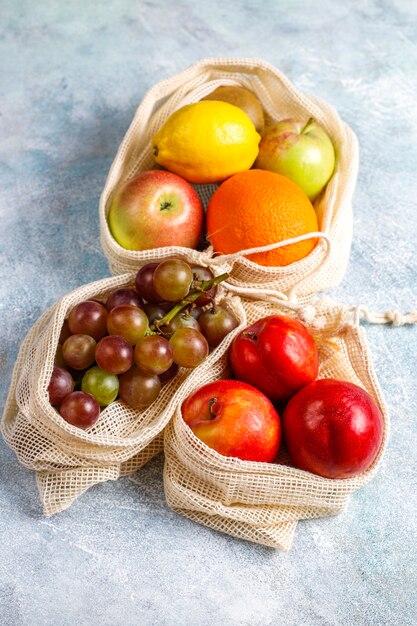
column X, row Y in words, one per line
column 262, row 502
column 69, row 460
column 325, row 265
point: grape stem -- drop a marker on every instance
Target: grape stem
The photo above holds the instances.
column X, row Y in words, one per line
column 205, row 285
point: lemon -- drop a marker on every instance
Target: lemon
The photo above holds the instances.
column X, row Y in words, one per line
column 206, row 142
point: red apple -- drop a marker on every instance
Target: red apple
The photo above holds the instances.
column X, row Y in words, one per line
column 235, row 419
column 332, row 428
column 156, row 209
column 277, row 355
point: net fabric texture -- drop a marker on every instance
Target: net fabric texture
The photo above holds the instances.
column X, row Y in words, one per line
column 262, row 502
column 68, row 460
column 280, row 99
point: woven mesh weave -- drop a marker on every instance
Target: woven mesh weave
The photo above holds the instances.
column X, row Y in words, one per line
column 69, row 460
column 279, row 99
column 257, row 502
column 262, row 502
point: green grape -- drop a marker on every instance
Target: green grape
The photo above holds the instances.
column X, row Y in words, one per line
column 100, row 384
column 190, row 347
column 172, row 279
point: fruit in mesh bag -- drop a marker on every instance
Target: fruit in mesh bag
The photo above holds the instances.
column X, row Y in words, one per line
column 60, row 386
column 235, row 419
column 80, row 409
column 242, row 98
column 166, row 335
column 332, row 428
column 156, row 209
column 276, row 354
column 258, row 208
column 206, row 142
column 88, row 318
column 301, row 151
column 102, row 385
column 216, row 323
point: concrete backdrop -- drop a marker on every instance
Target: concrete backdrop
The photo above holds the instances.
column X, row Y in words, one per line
column 72, row 75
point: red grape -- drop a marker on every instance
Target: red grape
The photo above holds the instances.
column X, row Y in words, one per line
column 124, row 296
column 216, row 324
column 80, row 409
column 144, row 283
column 169, row 373
column 129, row 322
column 65, row 332
column 59, row 358
column 89, row 318
column 79, row 351
column 153, row 355
column 154, row 312
column 137, row 389
column 190, row 347
column 200, row 274
column 114, row 354
column 61, row 384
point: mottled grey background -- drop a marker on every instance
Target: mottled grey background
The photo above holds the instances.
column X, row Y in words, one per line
column 72, row 75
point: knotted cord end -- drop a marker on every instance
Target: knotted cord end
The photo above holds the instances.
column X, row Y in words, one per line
column 388, row 317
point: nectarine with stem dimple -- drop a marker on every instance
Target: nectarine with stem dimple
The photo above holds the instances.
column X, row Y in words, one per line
column 332, row 428
column 276, row 354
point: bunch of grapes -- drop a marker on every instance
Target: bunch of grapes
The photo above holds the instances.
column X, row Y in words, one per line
column 132, row 344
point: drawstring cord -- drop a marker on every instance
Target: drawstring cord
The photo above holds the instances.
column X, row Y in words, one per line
column 225, row 258
column 306, row 312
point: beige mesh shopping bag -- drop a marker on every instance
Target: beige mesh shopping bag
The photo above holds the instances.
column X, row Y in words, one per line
column 262, row 502
column 68, row 460
column 325, row 265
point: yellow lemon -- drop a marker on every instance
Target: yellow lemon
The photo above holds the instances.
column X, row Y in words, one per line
column 206, row 142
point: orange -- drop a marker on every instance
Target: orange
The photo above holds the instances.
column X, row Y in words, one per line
column 257, row 208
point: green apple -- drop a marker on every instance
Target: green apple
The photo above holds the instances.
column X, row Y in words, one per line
column 300, row 151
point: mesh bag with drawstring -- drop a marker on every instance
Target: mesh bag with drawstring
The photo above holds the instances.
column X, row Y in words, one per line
column 67, row 459
column 323, row 267
column 262, row 502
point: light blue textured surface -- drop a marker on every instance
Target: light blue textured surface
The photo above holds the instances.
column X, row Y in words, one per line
column 72, row 75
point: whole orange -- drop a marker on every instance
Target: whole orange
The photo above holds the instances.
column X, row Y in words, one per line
column 256, row 208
